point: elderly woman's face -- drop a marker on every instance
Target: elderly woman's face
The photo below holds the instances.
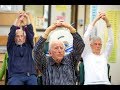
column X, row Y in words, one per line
column 96, row 46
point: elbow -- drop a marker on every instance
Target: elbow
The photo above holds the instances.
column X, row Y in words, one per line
column 34, row 49
column 83, row 45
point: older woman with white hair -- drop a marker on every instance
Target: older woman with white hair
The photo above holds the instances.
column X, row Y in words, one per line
column 95, row 61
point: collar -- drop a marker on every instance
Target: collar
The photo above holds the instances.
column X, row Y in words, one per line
column 64, row 61
column 24, row 44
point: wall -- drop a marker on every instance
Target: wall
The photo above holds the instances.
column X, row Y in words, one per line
column 4, row 30
column 81, row 16
column 61, row 10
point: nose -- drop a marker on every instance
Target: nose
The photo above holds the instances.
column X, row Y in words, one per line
column 59, row 49
column 98, row 45
column 19, row 38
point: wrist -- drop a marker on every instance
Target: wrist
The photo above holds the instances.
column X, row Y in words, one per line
column 108, row 25
column 73, row 31
column 46, row 34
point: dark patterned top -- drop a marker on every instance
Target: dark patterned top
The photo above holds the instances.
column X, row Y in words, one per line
column 63, row 73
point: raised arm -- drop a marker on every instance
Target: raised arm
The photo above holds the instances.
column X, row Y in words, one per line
column 87, row 34
column 90, row 27
column 110, row 41
column 78, row 43
column 13, row 29
column 28, row 28
column 39, row 55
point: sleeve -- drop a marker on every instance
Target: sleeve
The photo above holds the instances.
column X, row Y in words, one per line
column 39, row 55
column 86, row 36
column 11, row 36
column 4, row 66
column 78, row 47
column 110, row 42
column 29, row 34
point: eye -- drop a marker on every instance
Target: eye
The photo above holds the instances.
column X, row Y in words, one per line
column 61, row 47
column 56, row 47
column 95, row 43
column 100, row 44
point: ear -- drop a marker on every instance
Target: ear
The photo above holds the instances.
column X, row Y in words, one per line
column 90, row 45
column 50, row 53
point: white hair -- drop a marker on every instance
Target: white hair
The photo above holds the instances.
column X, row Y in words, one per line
column 20, row 30
column 53, row 41
column 94, row 39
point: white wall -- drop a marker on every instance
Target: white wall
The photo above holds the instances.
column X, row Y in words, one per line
column 114, row 67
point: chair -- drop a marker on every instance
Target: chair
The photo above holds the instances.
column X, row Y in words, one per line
column 6, row 77
column 82, row 73
column 39, row 79
column 109, row 77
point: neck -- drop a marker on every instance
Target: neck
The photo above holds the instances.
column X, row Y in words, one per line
column 96, row 53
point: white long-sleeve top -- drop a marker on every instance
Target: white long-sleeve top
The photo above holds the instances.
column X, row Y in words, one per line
column 95, row 66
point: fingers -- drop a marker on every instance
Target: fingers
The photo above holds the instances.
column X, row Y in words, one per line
column 58, row 23
column 22, row 15
column 102, row 15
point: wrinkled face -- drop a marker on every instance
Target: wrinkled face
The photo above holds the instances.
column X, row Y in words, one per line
column 96, row 46
column 57, row 51
column 19, row 38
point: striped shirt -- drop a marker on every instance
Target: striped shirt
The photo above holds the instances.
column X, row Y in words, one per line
column 63, row 73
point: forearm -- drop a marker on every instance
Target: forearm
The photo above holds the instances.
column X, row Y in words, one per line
column 29, row 33
column 94, row 22
column 78, row 44
column 11, row 35
column 110, row 36
column 110, row 42
column 17, row 22
column 72, row 29
column 28, row 21
column 46, row 33
column 39, row 55
column 88, row 32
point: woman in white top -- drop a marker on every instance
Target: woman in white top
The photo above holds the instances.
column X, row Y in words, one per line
column 95, row 62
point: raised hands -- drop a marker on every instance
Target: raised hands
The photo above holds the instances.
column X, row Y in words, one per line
column 104, row 17
column 101, row 16
column 22, row 18
column 58, row 23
